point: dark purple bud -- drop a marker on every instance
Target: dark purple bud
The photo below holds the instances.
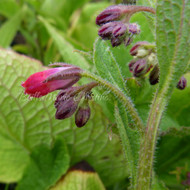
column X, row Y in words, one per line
column 105, row 32
column 182, row 83
column 154, row 76
column 82, row 116
column 112, row 13
column 116, row 12
column 116, row 42
column 66, row 108
column 131, row 65
column 134, row 50
column 134, row 28
column 140, row 68
column 119, row 30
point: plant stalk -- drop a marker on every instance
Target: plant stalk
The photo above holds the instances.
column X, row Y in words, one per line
column 145, row 166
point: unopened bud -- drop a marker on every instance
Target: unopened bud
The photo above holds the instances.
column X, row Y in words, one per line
column 139, row 46
column 111, row 13
column 82, row 116
column 66, row 108
column 182, row 83
column 154, row 75
column 131, row 65
column 105, row 32
column 140, row 68
column 119, row 30
column 134, row 28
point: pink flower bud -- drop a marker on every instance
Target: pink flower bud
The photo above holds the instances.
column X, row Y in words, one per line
column 105, row 32
column 131, row 65
column 182, row 83
column 112, row 13
column 82, row 116
column 140, row 68
column 119, row 30
column 44, row 82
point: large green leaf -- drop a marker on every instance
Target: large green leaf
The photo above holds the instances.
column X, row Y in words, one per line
column 107, row 65
column 47, row 165
column 26, row 123
column 172, row 40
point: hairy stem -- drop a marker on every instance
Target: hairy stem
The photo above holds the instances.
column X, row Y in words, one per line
column 121, row 96
column 146, row 157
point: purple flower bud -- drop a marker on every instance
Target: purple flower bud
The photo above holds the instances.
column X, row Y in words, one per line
column 82, row 116
column 105, row 32
column 154, row 75
column 66, row 108
column 134, row 28
column 134, row 50
column 119, row 30
column 112, row 13
column 116, row 41
column 188, row 175
column 131, row 65
column 182, row 83
column 116, row 12
column 140, row 68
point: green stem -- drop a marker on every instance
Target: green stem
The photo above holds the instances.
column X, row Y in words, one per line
column 121, row 96
column 145, row 166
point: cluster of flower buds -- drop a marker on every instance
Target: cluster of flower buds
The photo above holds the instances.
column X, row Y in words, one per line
column 144, row 60
column 67, row 103
column 62, row 78
column 115, row 25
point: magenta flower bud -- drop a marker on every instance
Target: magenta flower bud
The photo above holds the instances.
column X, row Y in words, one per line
column 44, row 82
column 131, row 65
column 140, row 68
column 116, row 41
column 182, row 83
column 134, row 28
column 154, row 75
column 116, row 12
column 134, row 50
column 65, row 104
column 82, row 116
column 112, row 13
column 119, row 30
column 105, row 32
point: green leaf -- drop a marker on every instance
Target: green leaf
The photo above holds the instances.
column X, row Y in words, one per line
column 172, row 40
column 47, row 165
column 83, row 178
column 8, row 8
column 173, row 160
column 130, row 139
column 65, row 48
column 9, row 28
column 147, row 2
column 107, row 65
column 27, row 123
